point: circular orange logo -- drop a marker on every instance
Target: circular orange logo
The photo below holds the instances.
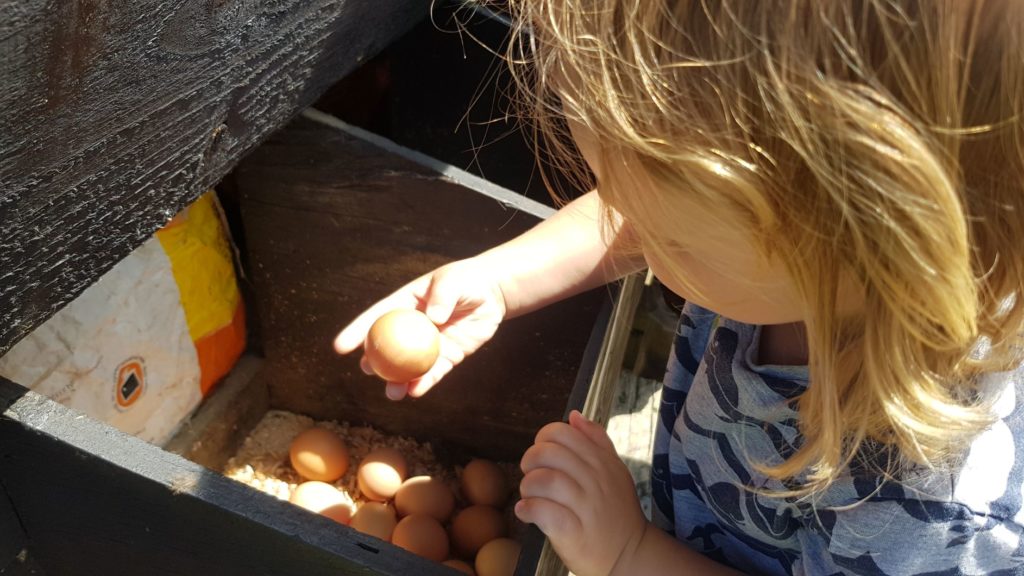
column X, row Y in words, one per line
column 130, row 381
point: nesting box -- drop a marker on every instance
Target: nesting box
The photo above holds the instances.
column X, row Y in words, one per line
column 334, row 218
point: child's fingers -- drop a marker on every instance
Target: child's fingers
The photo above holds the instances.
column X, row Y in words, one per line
column 353, row 335
column 553, row 519
column 552, row 485
column 571, row 438
column 442, row 297
column 556, row 457
column 364, row 365
column 591, row 430
column 396, row 390
column 451, row 354
column 423, row 384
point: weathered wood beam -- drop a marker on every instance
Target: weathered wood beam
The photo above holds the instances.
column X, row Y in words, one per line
column 115, row 115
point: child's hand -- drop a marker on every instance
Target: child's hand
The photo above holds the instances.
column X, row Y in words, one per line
column 461, row 298
column 580, row 494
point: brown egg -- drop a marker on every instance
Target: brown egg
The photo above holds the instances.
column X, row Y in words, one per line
column 483, row 482
column 381, row 474
column 498, row 558
column 376, row 519
column 319, row 454
column 323, row 499
column 460, row 566
column 422, row 535
column 425, row 495
column 476, row 526
column 402, row 345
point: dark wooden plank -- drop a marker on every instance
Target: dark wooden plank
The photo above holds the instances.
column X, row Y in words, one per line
column 13, row 541
column 24, row 565
column 333, row 223
column 95, row 501
column 213, row 434
column 115, row 115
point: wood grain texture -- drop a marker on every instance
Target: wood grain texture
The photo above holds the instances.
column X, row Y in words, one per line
column 93, row 501
column 335, row 223
column 115, row 115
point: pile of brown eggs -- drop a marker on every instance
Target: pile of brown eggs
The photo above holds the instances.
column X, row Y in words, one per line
column 417, row 513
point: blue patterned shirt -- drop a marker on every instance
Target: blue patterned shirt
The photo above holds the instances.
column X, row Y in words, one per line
column 721, row 413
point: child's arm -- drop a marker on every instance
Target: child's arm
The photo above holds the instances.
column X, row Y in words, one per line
column 580, row 494
column 657, row 550
column 562, row 256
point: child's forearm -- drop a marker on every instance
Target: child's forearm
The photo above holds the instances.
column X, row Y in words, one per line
column 660, row 554
column 562, row 256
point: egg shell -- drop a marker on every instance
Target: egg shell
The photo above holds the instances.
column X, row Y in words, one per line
column 498, row 558
column 376, row 519
column 319, row 454
column 475, row 526
column 483, row 482
column 381, row 473
column 460, row 566
column 423, row 536
column 402, row 345
column 425, row 495
column 323, row 499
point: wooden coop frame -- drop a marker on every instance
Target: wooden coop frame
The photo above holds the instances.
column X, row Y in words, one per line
column 115, row 117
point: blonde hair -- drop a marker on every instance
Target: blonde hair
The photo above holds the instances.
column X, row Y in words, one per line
column 878, row 141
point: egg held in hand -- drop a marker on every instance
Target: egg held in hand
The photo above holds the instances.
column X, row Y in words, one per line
column 319, row 454
column 402, row 345
column 323, row 499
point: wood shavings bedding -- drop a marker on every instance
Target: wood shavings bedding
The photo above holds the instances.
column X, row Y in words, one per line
column 262, row 460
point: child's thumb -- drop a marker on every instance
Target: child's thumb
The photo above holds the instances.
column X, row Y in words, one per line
column 590, row 429
column 442, row 297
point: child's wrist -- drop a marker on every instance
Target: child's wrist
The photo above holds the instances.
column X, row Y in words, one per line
column 485, row 265
column 633, row 549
